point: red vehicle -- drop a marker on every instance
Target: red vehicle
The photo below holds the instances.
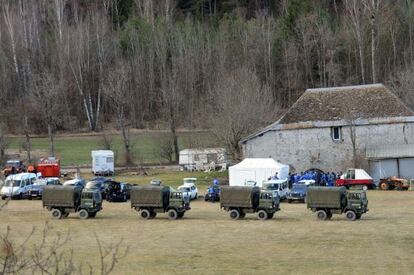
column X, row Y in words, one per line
column 49, row 167
column 356, row 177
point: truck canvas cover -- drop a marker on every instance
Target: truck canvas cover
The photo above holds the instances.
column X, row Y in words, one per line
column 61, row 196
column 154, row 196
column 240, row 196
column 329, row 197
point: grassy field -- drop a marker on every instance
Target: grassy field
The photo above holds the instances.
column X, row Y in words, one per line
column 76, row 150
column 206, row 241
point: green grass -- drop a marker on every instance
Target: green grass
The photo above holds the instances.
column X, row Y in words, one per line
column 76, row 150
column 172, row 178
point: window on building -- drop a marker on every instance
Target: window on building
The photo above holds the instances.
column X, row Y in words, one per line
column 336, row 133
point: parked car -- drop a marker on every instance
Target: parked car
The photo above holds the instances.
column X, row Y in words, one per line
column 99, row 185
column 15, row 186
column 156, row 182
column 190, row 186
column 36, row 189
column 115, row 192
column 297, row 193
column 75, row 182
column 277, row 187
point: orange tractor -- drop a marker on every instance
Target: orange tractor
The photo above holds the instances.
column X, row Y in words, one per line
column 394, row 183
column 13, row 166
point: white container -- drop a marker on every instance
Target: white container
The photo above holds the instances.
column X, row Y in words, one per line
column 103, row 163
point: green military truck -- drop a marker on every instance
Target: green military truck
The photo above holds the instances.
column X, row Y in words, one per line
column 62, row 200
column 150, row 200
column 326, row 201
column 239, row 200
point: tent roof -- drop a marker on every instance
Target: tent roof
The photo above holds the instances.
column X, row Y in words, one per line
column 254, row 163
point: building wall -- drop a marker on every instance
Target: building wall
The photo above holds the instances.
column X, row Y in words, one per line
column 314, row 147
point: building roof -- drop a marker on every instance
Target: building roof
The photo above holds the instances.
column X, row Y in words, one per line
column 351, row 102
column 337, row 106
column 390, row 151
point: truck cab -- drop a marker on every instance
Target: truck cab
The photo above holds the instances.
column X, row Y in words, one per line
column 357, row 202
column 269, row 203
column 91, row 201
column 179, row 201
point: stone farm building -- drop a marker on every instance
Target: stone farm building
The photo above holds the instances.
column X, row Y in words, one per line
column 319, row 131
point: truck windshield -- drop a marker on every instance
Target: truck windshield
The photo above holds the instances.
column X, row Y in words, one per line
column 273, row 186
column 12, row 183
column 355, row 196
column 87, row 195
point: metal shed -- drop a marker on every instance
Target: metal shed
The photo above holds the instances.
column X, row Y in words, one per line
column 391, row 160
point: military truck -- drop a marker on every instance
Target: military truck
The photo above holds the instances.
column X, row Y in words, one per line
column 150, row 200
column 239, row 200
column 62, row 200
column 326, row 201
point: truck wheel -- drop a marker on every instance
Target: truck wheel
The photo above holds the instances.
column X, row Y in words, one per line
column 321, row 214
column 172, row 214
column 234, row 214
column 83, row 214
column 350, row 215
column 56, row 214
column 270, row 216
column 262, row 215
column 364, row 187
column 384, row 185
column 145, row 214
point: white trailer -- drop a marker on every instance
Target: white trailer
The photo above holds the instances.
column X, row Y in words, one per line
column 103, row 163
column 203, row 159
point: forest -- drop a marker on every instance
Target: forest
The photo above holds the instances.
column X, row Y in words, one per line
column 229, row 66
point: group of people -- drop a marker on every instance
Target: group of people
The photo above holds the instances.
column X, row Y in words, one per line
column 320, row 178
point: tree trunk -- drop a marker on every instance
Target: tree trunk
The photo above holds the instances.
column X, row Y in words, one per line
column 374, row 78
column 28, row 147
column 174, row 134
column 51, row 140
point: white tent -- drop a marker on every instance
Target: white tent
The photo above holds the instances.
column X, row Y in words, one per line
column 256, row 169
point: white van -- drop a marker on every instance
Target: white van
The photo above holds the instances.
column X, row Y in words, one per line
column 281, row 187
column 15, row 186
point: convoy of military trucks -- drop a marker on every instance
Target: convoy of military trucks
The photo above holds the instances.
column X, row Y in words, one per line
column 238, row 201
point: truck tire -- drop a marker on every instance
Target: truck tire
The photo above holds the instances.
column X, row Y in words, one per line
column 56, row 214
column 172, row 214
column 83, row 214
column 321, row 215
column 384, row 185
column 145, row 214
column 234, row 214
column 262, row 215
column 350, row 215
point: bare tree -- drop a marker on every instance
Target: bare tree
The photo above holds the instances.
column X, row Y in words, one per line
column 4, row 143
column 355, row 12
column 45, row 93
column 373, row 8
column 243, row 105
column 117, row 90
